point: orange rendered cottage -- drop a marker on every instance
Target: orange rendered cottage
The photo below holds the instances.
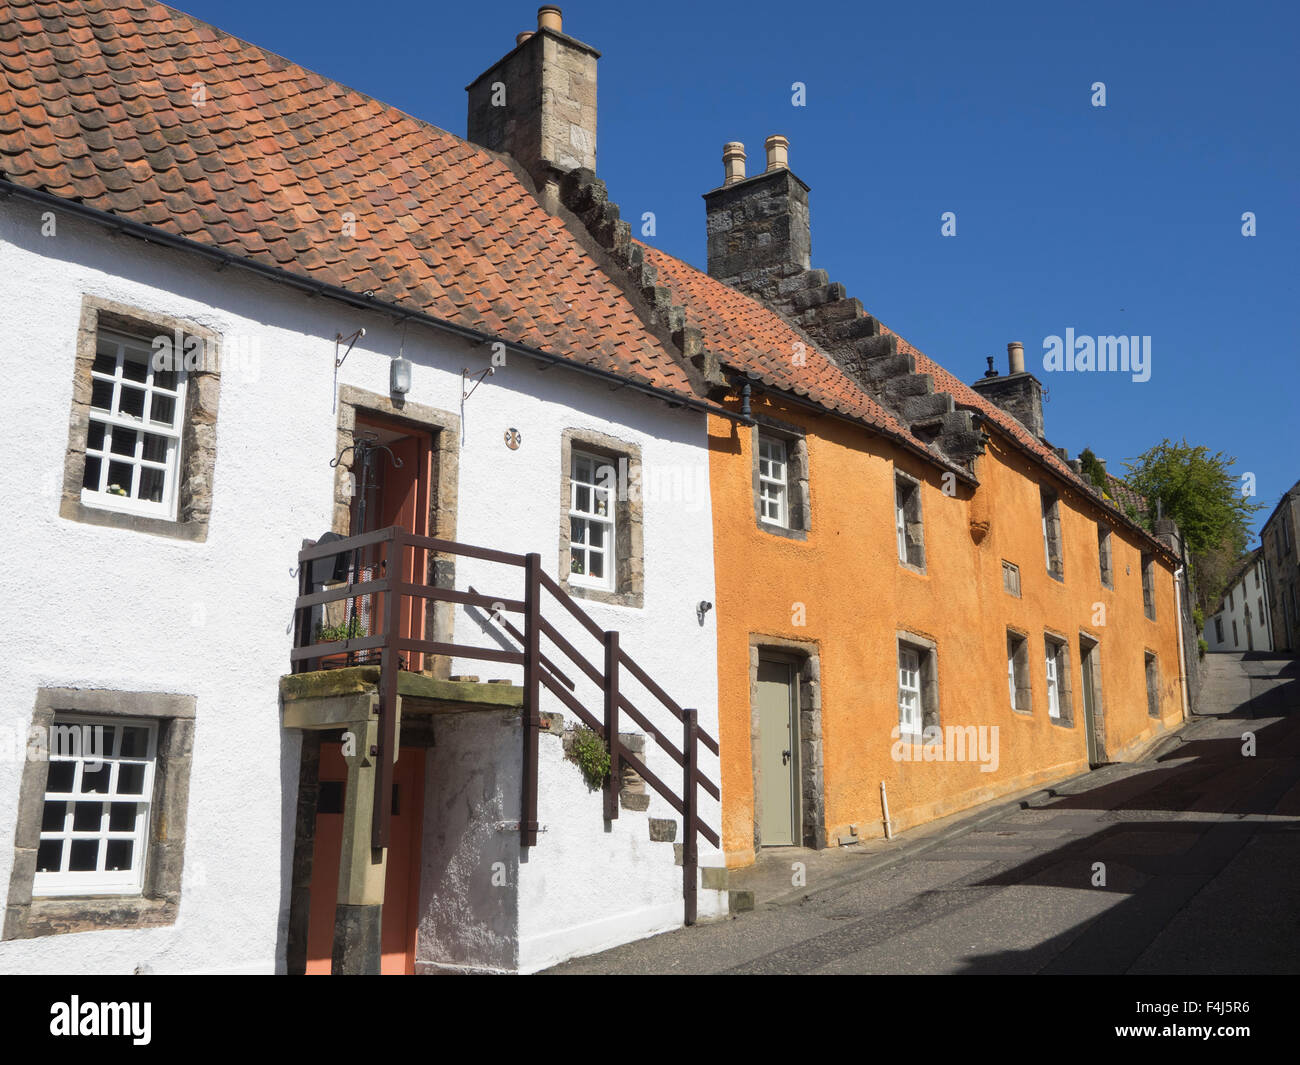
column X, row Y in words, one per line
column 921, row 604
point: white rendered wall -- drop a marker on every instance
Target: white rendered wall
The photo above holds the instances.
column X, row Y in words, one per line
column 1244, row 593
column 130, row 611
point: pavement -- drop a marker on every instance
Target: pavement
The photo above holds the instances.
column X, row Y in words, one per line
column 1182, row 862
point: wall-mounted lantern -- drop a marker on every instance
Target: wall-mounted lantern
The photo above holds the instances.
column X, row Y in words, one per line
column 399, row 376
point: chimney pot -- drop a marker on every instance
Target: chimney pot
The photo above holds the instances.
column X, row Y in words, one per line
column 990, row 372
column 550, row 17
column 521, row 37
column 1016, row 357
column 733, row 162
column 777, row 153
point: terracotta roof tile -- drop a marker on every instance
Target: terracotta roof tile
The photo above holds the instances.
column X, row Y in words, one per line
column 95, row 104
column 747, row 336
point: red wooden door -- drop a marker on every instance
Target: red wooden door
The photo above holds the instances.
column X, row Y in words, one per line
column 401, row 877
column 405, row 502
column 401, row 497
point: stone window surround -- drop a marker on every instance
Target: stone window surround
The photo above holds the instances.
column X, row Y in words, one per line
column 1151, row 669
column 1051, row 506
column 927, row 651
column 1024, row 686
column 805, row 657
column 444, row 426
column 1105, row 556
column 629, row 519
column 158, row 904
column 1009, row 568
column 1098, row 695
column 798, row 492
column 198, row 435
column 1147, row 565
column 1064, row 673
column 914, row 522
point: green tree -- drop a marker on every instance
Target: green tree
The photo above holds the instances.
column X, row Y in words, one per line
column 1200, row 492
column 1093, row 469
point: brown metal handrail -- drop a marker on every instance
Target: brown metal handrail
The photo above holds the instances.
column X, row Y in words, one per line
column 540, row 671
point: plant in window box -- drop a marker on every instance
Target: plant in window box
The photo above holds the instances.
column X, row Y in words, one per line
column 350, row 630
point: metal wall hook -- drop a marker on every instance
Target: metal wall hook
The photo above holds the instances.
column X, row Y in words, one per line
column 339, row 338
column 465, row 376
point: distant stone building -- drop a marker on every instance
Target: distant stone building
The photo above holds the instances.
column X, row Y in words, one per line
column 1282, row 560
column 1243, row 620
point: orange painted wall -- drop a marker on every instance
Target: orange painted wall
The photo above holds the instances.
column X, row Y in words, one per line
column 857, row 597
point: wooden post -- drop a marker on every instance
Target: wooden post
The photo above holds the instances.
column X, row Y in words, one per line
column 302, row 634
column 387, row 754
column 359, row 911
column 532, row 695
column 690, row 858
column 611, row 726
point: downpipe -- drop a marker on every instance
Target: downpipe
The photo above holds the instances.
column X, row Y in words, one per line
column 1182, row 646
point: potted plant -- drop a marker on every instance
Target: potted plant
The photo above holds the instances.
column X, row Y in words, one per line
column 348, row 630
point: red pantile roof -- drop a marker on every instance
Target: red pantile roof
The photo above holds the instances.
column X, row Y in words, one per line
column 749, row 337
column 966, row 396
column 1125, row 495
column 99, row 104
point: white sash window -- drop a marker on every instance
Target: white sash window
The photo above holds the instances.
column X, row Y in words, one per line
column 98, row 794
column 592, row 482
column 133, row 439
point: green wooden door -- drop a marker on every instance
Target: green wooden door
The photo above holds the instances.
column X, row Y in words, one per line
column 778, row 755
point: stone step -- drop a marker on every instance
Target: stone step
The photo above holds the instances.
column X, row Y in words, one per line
column 884, row 367
column 740, row 901
column 663, row 830
column 826, row 302
column 883, row 346
column 804, row 280
column 934, row 405
column 908, row 385
column 631, row 800
column 853, row 329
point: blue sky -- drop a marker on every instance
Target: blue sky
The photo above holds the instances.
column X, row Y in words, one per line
column 1125, row 219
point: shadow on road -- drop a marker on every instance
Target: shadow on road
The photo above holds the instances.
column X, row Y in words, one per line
column 1204, row 895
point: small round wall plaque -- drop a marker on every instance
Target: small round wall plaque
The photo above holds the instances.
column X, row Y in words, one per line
column 513, row 439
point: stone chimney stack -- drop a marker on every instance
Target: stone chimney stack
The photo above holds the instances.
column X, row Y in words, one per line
column 758, row 227
column 1020, row 394
column 538, row 103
